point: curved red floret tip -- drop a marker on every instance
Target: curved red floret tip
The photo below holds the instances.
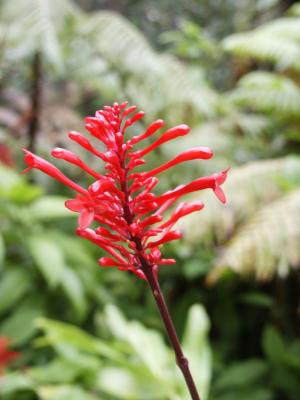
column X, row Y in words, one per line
column 127, row 217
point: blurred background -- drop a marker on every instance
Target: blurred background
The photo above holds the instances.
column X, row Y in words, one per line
column 231, row 70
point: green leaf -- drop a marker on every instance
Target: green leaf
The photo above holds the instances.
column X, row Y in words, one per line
column 49, row 207
column 20, row 325
column 273, row 345
column 22, row 193
column 64, row 392
column 13, row 285
column 73, row 288
column 2, row 251
column 48, row 257
column 196, row 346
column 140, row 340
column 8, row 178
column 57, row 333
column 12, row 383
column 257, row 299
column 249, row 393
column 245, row 373
column 57, row 371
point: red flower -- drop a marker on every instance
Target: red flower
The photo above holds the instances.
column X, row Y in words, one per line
column 129, row 216
column 6, row 355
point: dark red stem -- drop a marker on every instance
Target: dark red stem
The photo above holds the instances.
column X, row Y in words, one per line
column 181, row 360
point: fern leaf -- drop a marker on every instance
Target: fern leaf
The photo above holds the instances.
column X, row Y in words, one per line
column 267, row 245
column 277, row 42
column 268, row 92
column 249, row 187
column 161, row 84
column 37, row 28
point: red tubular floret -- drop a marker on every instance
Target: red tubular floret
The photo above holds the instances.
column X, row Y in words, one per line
column 37, row 162
column 72, row 158
column 195, row 153
column 170, row 134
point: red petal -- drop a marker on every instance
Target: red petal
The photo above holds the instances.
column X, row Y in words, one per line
column 74, row 205
column 220, row 194
column 86, row 217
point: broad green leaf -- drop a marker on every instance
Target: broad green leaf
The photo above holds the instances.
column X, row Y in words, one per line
column 57, row 333
column 20, row 325
column 130, row 385
column 73, row 288
column 147, row 344
column 49, row 207
column 22, row 193
column 57, row 371
column 8, row 178
column 14, row 284
column 245, row 373
column 12, row 383
column 257, row 299
column 2, row 251
column 273, row 345
column 196, row 346
column 64, row 392
column 48, row 257
column 249, row 393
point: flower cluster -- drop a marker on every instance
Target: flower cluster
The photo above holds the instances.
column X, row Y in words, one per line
column 128, row 215
column 6, row 355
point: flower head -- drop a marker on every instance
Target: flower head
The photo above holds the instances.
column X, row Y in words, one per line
column 6, row 355
column 129, row 216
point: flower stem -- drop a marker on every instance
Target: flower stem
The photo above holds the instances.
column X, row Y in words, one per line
column 181, row 360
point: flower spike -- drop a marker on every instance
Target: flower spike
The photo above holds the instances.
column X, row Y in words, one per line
column 127, row 217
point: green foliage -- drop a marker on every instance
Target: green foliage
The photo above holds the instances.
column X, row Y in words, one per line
column 134, row 357
column 76, row 325
column 268, row 92
column 276, row 42
column 269, row 242
column 258, row 183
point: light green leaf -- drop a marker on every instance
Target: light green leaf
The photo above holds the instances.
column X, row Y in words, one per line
column 145, row 343
column 14, row 284
column 48, row 207
column 20, row 325
column 57, row 371
column 48, row 257
column 57, row 333
column 12, row 383
column 196, row 346
column 64, row 392
column 2, row 251
column 73, row 288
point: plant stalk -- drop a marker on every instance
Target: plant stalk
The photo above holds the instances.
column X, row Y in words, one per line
column 35, row 100
column 181, row 360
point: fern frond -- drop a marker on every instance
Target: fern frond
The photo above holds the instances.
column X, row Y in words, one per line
column 34, row 26
column 249, row 187
column 277, row 42
column 267, row 245
column 267, row 92
column 161, row 84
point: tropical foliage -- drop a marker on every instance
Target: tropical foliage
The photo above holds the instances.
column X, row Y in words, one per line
column 84, row 333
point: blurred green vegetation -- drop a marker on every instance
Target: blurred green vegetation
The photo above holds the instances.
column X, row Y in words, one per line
column 229, row 69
